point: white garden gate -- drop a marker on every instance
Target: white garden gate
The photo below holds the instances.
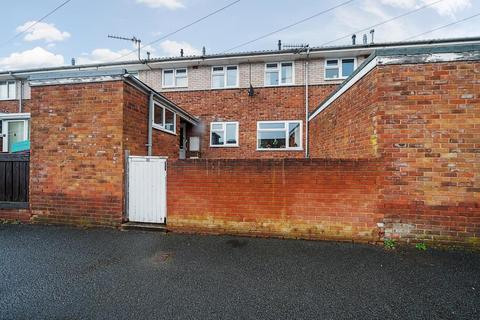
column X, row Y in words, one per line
column 147, row 189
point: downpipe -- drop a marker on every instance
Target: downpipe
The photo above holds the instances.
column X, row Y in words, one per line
column 307, row 151
column 150, row 122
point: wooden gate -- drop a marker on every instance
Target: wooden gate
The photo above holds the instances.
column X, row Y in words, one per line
column 147, row 187
column 14, row 180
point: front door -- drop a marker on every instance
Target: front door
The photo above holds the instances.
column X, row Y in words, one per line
column 147, row 189
column 183, row 141
column 13, row 131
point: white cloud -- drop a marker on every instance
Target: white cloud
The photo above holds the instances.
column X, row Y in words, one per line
column 348, row 21
column 450, row 7
column 406, row 4
column 42, row 31
column 34, row 58
column 169, row 4
column 105, row 55
column 172, row 48
column 443, row 8
column 100, row 55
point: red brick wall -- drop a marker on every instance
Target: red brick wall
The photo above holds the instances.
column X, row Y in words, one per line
column 346, row 129
column 14, row 215
column 279, row 103
column 427, row 124
column 76, row 174
column 317, row 199
column 429, row 137
column 136, row 127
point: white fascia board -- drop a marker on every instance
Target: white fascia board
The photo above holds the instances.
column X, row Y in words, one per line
column 427, row 58
column 75, row 80
column 14, row 116
column 363, row 72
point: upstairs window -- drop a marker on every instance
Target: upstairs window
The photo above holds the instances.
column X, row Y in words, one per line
column 285, row 135
column 224, row 134
column 224, row 77
column 7, row 90
column 174, row 78
column 278, row 73
column 339, row 68
column 164, row 119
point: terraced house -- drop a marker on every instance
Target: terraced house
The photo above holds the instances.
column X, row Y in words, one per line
column 353, row 142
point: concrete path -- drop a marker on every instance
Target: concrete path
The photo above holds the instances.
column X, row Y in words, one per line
column 62, row 273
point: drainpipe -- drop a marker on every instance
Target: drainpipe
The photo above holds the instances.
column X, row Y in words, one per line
column 307, row 155
column 150, row 120
column 20, row 98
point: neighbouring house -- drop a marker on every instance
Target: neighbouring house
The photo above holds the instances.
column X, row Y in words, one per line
column 357, row 142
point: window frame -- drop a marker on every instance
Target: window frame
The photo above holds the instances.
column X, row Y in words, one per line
column 175, row 85
column 224, row 129
column 225, row 81
column 339, row 66
column 279, row 70
column 7, row 83
column 24, row 117
column 161, row 127
column 286, row 129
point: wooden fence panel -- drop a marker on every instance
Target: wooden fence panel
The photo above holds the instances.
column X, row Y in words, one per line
column 14, row 180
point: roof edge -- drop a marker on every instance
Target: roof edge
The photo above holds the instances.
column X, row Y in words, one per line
column 96, row 66
column 79, row 77
column 392, row 56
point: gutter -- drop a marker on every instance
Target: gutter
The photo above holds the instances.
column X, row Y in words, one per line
column 253, row 54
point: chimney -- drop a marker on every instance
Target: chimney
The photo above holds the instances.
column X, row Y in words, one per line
column 365, row 39
column 279, row 45
column 181, row 52
column 372, row 33
column 73, row 61
column 204, row 51
column 354, row 39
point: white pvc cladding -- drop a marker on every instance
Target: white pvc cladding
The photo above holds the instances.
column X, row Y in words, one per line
column 414, row 58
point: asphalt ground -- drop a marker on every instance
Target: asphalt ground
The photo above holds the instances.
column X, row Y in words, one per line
column 64, row 273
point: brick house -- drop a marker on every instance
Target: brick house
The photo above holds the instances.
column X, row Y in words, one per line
column 235, row 122
column 252, row 119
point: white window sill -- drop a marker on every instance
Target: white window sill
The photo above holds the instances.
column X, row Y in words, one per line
column 279, row 85
column 175, row 87
column 8, row 99
column 226, row 146
column 335, row 79
column 225, row 88
column 280, row 149
column 159, row 128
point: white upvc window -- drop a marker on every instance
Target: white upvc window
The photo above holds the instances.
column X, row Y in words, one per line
column 14, row 128
column 279, row 135
column 164, row 119
column 339, row 68
column 175, row 78
column 279, row 73
column 224, row 134
column 224, row 77
column 7, row 90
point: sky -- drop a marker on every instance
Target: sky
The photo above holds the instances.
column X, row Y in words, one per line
column 80, row 28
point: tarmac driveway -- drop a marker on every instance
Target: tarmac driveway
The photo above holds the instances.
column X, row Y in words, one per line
column 63, row 273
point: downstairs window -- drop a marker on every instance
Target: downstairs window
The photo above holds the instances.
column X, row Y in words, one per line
column 224, row 134
column 285, row 135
